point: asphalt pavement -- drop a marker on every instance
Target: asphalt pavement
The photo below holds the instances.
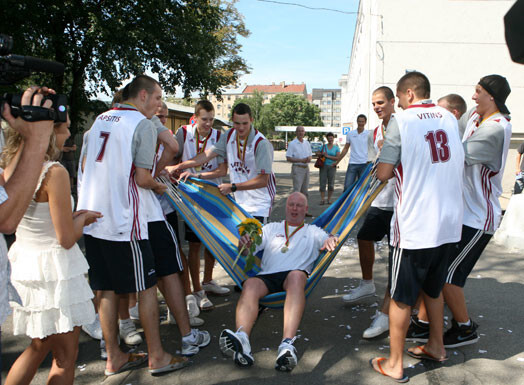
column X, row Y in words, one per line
column 330, row 346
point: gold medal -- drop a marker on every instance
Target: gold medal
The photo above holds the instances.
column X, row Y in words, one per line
column 284, row 249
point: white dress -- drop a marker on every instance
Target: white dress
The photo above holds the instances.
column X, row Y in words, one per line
column 51, row 280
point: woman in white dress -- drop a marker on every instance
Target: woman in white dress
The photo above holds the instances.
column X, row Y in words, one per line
column 48, row 269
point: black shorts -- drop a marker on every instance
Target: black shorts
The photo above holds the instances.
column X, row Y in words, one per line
column 275, row 281
column 122, row 267
column 413, row 270
column 172, row 219
column 165, row 248
column 262, row 220
column 376, row 225
column 190, row 235
column 466, row 254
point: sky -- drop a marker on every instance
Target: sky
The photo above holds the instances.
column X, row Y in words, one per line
column 294, row 44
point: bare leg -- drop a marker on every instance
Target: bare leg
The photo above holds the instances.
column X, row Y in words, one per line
column 123, row 306
column 422, row 312
column 186, row 283
column 247, row 307
column 65, row 352
column 148, row 310
column 209, row 264
column 295, row 302
column 108, row 312
column 194, row 264
column 385, row 304
column 366, row 253
column 132, row 300
column 171, row 288
column 435, row 344
column 330, row 193
column 399, row 314
column 454, row 297
column 26, row 365
column 322, row 195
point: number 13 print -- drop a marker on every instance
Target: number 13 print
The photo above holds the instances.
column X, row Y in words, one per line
column 438, row 146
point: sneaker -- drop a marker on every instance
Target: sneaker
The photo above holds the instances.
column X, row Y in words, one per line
column 364, row 290
column 203, row 302
column 460, row 335
column 418, row 331
column 129, row 333
column 236, row 345
column 192, row 343
column 212, row 287
column 93, row 330
column 379, row 325
column 192, row 306
column 287, row 355
column 133, row 313
column 193, row 321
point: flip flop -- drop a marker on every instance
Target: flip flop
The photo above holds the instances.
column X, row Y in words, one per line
column 134, row 361
column 175, row 364
column 425, row 355
column 381, row 371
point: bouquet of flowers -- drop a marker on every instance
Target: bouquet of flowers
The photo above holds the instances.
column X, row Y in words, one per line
column 253, row 228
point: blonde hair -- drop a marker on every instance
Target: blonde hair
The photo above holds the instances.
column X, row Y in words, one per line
column 13, row 141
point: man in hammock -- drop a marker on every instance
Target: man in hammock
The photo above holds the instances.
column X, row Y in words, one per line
column 290, row 250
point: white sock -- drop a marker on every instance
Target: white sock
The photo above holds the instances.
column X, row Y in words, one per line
column 465, row 323
column 367, row 282
column 125, row 321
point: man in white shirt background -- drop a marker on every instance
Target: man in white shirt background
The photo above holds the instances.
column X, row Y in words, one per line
column 358, row 157
column 299, row 154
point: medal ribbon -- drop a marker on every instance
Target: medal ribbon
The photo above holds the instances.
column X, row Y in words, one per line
column 486, row 118
column 198, row 141
column 241, row 154
column 288, row 236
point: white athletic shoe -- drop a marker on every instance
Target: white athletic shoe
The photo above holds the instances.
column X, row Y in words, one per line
column 287, row 356
column 193, row 321
column 129, row 333
column 196, row 340
column 192, row 306
column 203, row 302
column 133, row 313
column 212, row 287
column 364, row 290
column 236, row 345
column 93, row 330
column 379, row 325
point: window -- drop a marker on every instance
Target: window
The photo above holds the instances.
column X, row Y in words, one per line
column 329, row 102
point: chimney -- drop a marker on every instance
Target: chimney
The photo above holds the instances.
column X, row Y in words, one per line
column 273, row 83
column 283, row 84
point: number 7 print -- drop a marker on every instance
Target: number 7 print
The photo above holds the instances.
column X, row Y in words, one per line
column 105, row 136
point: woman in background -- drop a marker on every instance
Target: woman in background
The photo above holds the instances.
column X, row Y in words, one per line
column 327, row 172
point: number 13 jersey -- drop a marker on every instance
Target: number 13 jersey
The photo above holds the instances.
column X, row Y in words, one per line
column 429, row 178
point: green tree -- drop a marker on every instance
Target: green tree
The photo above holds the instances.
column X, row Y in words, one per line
column 190, row 44
column 256, row 103
column 289, row 110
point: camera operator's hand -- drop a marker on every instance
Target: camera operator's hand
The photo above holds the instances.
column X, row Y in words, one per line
column 32, row 132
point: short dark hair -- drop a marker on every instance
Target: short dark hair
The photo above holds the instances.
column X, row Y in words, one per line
column 117, row 97
column 386, row 91
column 241, row 109
column 416, row 81
column 456, row 102
column 330, row 134
column 362, row 116
column 204, row 105
column 141, row 82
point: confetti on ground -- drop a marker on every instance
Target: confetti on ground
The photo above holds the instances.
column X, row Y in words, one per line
column 225, row 300
column 481, row 316
column 348, row 327
column 482, row 351
column 482, row 334
column 375, row 304
column 347, row 336
column 325, row 319
column 214, row 358
column 332, row 316
column 354, row 316
column 306, row 339
column 82, row 366
column 317, row 311
column 455, row 353
column 341, row 325
column 510, row 331
column 380, row 348
column 356, row 349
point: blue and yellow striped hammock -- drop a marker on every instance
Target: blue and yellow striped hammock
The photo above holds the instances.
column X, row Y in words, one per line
column 214, row 219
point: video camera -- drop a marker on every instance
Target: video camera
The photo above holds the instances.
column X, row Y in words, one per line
column 14, row 68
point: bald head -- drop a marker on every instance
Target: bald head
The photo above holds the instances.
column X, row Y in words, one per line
column 296, row 209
